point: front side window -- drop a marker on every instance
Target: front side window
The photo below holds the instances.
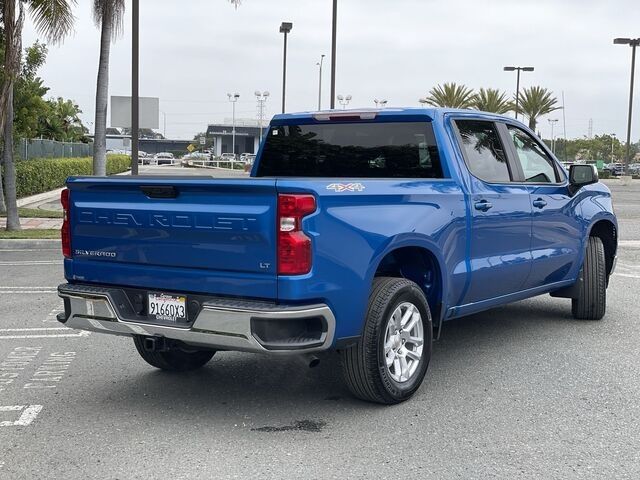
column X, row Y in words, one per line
column 536, row 164
column 483, row 150
column 353, row 149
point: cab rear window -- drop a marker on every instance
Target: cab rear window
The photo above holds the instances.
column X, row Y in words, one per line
column 366, row 150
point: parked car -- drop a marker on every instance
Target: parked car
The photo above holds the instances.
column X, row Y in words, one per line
column 249, row 159
column 615, row 169
column 634, row 168
column 198, row 157
column 164, row 158
column 361, row 231
column 228, row 157
column 144, row 158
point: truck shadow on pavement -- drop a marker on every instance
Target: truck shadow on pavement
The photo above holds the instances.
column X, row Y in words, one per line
column 286, row 391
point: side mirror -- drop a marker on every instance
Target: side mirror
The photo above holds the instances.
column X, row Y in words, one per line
column 581, row 175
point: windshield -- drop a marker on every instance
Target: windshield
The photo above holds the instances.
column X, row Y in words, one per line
column 377, row 150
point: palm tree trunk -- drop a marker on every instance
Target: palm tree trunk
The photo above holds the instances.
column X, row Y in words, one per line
column 102, row 94
column 12, row 56
column 533, row 123
column 13, row 220
column 3, row 207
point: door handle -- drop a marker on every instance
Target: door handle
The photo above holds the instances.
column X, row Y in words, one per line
column 539, row 203
column 482, row 205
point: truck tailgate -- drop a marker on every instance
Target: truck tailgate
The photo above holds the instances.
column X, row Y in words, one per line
column 196, row 228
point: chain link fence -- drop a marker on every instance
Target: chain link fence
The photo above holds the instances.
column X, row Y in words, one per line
column 37, row 148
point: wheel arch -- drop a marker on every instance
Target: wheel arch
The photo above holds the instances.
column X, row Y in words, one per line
column 607, row 231
column 417, row 259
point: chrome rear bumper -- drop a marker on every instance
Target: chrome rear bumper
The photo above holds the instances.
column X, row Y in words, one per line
column 221, row 324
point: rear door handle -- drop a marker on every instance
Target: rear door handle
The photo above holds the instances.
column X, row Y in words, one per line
column 539, row 203
column 482, row 205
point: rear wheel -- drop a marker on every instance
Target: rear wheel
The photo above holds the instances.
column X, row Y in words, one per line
column 591, row 303
column 174, row 359
column 390, row 360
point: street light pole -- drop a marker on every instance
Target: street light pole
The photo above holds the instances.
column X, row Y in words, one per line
column 233, row 99
column 613, row 136
column 552, row 122
column 135, row 85
column 344, row 101
column 285, row 28
column 633, row 43
column 320, row 83
column 518, row 69
column 334, row 35
column 262, row 98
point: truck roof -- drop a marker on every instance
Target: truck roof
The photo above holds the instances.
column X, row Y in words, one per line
column 389, row 112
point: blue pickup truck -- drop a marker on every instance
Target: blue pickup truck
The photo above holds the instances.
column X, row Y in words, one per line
column 357, row 231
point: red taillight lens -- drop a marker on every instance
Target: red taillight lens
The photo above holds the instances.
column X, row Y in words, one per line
column 66, row 226
column 294, row 247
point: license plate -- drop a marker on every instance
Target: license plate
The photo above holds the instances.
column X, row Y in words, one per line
column 167, row 308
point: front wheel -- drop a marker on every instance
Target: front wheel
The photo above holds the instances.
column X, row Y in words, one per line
column 174, row 359
column 390, row 360
column 591, row 303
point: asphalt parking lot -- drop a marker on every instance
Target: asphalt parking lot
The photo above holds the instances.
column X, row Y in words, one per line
column 523, row 391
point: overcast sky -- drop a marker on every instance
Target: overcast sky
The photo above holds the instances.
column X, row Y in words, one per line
column 195, row 51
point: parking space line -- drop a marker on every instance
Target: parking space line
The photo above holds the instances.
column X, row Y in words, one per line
column 626, row 275
column 29, row 414
column 38, row 333
column 25, row 290
column 27, row 263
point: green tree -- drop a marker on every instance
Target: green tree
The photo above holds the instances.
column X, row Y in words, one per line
column 28, row 102
column 108, row 15
column 492, row 100
column 536, row 102
column 451, row 95
column 61, row 121
column 53, row 19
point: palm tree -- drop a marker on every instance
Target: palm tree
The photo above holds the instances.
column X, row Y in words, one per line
column 535, row 102
column 54, row 20
column 108, row 15
column 451, row 95
column 492, row 100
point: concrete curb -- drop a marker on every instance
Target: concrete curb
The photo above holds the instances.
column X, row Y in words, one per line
column 28, row 244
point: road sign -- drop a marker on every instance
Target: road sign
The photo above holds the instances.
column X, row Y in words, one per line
column 191, row 147
column 203, row 140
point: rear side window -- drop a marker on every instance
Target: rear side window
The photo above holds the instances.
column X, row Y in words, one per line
column 483, row 150
column 368, row 150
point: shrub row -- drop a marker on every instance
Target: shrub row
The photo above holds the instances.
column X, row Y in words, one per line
column 45, row 174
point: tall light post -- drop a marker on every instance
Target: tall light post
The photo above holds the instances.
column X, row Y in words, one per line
column 633, row 43
column 164, row 129
column 334, row 35
column 518, row 69
column 552, row 122
column 262, row 98
column 285, row 28
column 233, row 98
column 320, row 82
column 380, row 103
column 344, row 101
column 613, row 137
column 135, row 85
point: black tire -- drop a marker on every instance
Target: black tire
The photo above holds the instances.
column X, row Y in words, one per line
column 175, row 359
column 364, row 364
column 591, row 303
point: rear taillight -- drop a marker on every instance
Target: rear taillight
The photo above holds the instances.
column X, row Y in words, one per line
column 66, row 226
column 294, row 247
